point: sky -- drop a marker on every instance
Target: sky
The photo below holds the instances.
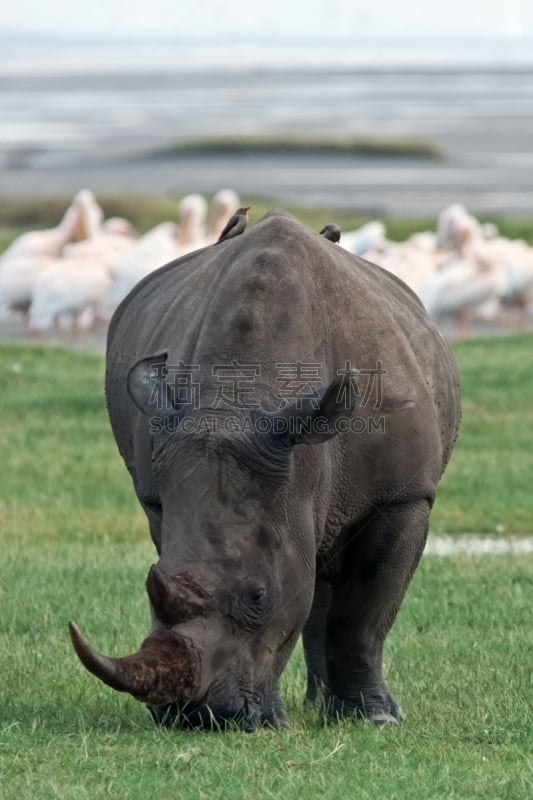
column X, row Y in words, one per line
column 284, row 19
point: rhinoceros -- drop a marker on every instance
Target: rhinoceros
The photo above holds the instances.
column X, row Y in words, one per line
column 285, row 410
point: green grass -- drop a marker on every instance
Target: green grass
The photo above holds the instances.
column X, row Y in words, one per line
column 76, row 545
column 304, row 144
column 487, row 485
column 458, row 662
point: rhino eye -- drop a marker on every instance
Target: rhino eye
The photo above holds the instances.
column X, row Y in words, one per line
column 254, row 594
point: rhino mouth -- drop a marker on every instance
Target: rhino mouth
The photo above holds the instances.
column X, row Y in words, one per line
column 245, row 717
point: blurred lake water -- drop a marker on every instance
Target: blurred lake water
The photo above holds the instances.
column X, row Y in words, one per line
column 83, row 114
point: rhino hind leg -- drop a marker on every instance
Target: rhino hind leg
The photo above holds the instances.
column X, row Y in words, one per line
column 377, row 567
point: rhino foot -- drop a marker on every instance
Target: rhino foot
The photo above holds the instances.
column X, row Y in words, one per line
column 377, row 706
column 383, row 718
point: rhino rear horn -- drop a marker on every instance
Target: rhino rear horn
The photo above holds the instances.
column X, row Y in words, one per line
column 165, row 670
column 175, row 598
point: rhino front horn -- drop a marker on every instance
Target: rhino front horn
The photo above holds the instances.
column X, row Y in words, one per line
column 165, row 670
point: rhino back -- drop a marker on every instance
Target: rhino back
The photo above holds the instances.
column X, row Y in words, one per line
column 282, row 294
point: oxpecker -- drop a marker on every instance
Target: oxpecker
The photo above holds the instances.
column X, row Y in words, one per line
column 236, row 224
column 331, row 232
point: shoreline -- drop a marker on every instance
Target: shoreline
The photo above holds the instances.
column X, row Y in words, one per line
column 372, row 186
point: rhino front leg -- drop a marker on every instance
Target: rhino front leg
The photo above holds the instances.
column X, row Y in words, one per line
column 376, row 569
column 314, row 642
column 154, row 511
column 273, row 713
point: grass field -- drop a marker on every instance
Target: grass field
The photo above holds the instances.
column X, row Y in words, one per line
column 75, row 545
column 487, row 485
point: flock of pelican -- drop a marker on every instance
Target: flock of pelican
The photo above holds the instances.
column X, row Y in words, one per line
column 76, row 274
column 461, row 272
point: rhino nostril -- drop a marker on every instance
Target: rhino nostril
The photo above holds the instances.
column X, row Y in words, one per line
column 248, row 725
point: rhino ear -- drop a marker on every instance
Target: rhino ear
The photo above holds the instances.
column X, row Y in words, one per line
column 314, row 420
column 147, row 384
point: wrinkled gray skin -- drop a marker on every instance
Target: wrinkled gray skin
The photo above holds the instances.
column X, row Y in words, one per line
column 260, row 536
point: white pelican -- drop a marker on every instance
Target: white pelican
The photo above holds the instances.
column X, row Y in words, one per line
column 32, row 253
column 223, row 205
column 68, row 289
column 81, row 217
column 370, row 236
column 192, row 223
column 449, row 286
column 508, row 263
column 76, row 284
column 162, row 244
column 151, row 251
